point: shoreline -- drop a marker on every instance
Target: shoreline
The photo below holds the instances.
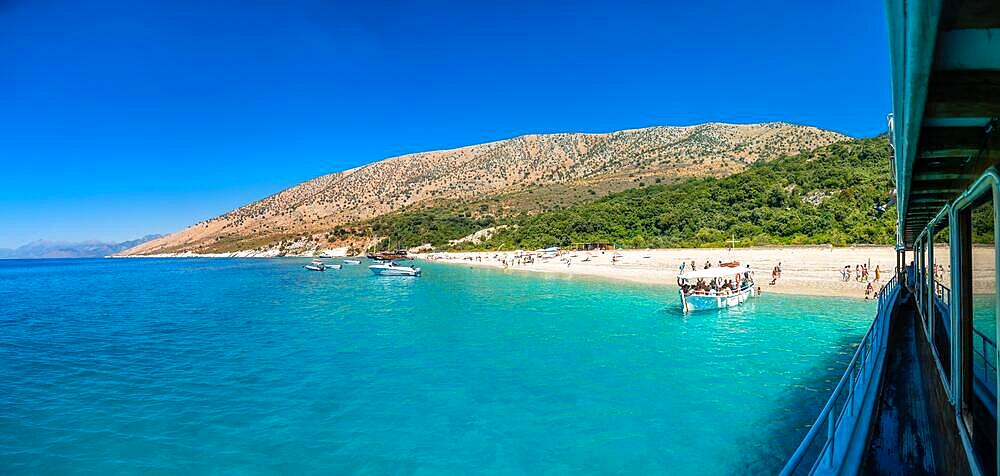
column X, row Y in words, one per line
column 806, row 270
column 810, row 270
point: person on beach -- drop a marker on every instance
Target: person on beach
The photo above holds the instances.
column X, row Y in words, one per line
column 869, row 290
column 708, row 264
column 845, row 273
column 775, row 273
column 878, row 273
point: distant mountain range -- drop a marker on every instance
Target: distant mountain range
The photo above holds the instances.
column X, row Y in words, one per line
column 576, row 165
column 64, row 249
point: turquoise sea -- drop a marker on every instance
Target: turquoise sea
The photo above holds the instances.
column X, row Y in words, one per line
column 216, row 366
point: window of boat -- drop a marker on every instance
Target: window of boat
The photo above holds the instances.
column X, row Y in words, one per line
column 940, row 273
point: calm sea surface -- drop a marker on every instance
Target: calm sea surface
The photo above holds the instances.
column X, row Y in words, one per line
column 213, row 366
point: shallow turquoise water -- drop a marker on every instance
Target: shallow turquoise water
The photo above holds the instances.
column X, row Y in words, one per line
column 259, row 367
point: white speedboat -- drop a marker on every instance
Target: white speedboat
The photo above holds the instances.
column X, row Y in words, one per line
column 716, row 288
column 390, row 268
column 352, row 261
column 315, row 265
column 334, row 266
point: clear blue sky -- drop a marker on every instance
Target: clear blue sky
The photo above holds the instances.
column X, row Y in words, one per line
column 123, row 118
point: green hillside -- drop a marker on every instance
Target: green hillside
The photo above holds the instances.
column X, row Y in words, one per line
column 827, row 195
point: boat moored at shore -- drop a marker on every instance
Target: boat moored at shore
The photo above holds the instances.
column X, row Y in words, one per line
column 715, row 288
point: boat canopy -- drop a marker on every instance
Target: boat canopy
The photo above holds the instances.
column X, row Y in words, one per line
column 710, row 273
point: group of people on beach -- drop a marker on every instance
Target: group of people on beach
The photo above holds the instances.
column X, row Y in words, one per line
column 863, row 274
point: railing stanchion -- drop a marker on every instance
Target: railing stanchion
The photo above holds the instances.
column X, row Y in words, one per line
column 831, row 436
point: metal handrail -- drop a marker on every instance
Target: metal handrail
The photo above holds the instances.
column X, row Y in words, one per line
column 989, row 366
column 862, row 360
column 943, row 292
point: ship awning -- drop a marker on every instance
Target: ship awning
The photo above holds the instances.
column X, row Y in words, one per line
column 720, row 272
column 945, row 59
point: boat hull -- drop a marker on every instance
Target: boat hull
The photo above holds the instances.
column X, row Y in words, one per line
column 707, row 302
column 386, row 270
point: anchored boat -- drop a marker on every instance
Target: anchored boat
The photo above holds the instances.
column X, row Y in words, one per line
column 391, row 268
column 315, row 265
column 715, row 288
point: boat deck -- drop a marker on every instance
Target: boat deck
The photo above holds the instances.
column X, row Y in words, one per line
column 914, row 431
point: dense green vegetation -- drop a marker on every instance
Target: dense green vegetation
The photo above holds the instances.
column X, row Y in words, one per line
column 824, row 196
column 435, row 226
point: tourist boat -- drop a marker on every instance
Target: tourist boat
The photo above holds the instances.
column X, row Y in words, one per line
column 390, row 268
column 352, row 261
column 715, row 297
column 393, row 255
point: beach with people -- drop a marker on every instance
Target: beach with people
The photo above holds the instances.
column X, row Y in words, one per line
column 804, row 270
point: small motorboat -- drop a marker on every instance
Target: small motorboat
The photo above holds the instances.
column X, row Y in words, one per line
column 352, row 261
column 391, row 268
column 334, row 266
column 315, row 265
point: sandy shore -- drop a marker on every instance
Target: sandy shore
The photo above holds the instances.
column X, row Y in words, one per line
column 807, row 270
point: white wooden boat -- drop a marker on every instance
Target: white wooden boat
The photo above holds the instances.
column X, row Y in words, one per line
column 716, row 288
column 392, row 269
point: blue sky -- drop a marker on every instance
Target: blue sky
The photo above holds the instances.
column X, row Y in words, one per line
column 123, row 118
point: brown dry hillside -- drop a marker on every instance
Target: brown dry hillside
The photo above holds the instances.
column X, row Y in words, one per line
column 505, row 166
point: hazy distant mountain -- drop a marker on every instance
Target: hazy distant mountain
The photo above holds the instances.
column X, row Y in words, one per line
column 309, row 211
column 63, row 249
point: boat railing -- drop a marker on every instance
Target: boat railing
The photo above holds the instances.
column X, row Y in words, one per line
column 985, row 354
column 943, row 293
column 825, row 444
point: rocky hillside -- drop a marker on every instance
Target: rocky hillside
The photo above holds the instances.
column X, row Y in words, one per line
column 306, row 212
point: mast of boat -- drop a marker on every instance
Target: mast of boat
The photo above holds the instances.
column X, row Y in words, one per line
column 732, row 244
